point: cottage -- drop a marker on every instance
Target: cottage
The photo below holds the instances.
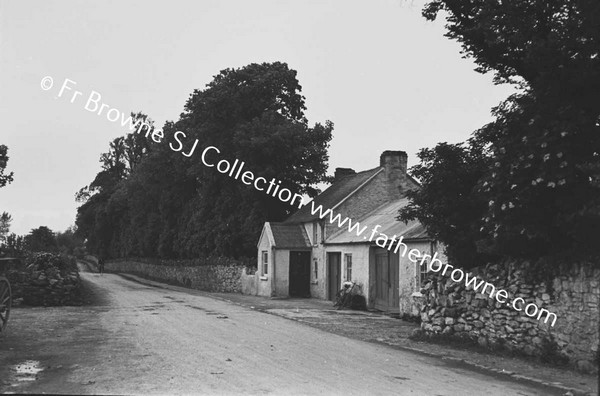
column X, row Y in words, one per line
column 306, row 256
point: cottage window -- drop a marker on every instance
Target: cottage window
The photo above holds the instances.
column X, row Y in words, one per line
column 348, row 259
column 314, row 239
column 316, row 268
column 422, row 272
column 265, row 262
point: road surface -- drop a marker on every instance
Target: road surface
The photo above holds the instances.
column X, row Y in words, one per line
column 138, row 339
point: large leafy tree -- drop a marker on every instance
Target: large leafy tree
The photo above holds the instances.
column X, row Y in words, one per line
column 68, row 241
column 540, row 181
column 41, row 239
column 169, row 205
column 254, row 114
column 96, row 222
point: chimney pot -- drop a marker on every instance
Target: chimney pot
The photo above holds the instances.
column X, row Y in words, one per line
column 341, row 172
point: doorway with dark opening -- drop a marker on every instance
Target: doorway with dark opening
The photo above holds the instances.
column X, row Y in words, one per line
column 300, row 273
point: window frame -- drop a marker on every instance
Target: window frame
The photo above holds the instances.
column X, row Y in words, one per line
column 348, row 269
column 421, row 271
column 264, row 268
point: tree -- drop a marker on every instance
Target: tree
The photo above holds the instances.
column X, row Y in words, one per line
column 14, row 245
column 41, row 239
column 68, row 241
column 448, row 203
column 156, row 202
column 5, row 220
column 254, row 114
column 541, row 179
column 4, row 178
column 95, row 222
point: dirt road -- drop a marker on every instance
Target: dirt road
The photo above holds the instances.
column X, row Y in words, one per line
column 137, row 339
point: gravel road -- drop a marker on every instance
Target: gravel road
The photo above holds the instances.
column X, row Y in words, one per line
column 137, row 339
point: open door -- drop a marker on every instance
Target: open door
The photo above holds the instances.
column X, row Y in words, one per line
column 299, row 274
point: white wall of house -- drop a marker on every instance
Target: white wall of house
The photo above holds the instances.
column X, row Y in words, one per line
column 318, row 266
column 410, row 297
column 409, row 277
column 282, row 272
column 360, row 264
column 263, row 282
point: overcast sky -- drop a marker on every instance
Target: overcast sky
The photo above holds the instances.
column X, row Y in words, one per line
column 387, row 78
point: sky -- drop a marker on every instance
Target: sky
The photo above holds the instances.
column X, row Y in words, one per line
column 387, row 78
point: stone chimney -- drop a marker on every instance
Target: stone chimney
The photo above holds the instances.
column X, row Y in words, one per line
column 394, row 162
column 341, row 172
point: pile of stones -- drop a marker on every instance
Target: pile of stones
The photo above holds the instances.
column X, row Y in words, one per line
column 47, row 280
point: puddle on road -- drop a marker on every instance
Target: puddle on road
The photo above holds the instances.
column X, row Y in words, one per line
column 27, row 371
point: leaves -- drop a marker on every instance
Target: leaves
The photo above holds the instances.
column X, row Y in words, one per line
column 151, row 201
column 534, row 187
column 4, row 178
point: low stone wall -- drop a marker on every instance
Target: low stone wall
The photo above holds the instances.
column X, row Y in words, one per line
column 221, row 277
column 46, row 281
column 573, row 295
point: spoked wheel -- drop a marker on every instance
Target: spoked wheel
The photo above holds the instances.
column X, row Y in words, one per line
column 5, row 302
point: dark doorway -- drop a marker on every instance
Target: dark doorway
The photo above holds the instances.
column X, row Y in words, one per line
column 334, row 273
column 299, row 274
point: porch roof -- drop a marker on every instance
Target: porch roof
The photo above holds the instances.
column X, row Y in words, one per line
column 385, row 216
column 289, row 235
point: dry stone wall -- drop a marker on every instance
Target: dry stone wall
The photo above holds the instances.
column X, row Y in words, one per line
column 47, row 280
column 223, row 276
column 573, row 295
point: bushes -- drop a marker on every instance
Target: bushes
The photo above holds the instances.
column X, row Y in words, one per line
column 51, row 262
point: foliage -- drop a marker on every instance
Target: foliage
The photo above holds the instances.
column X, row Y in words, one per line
column 539, row 175
column 163, row 204
column 69, row 243
column 41, row 239
column 51, row 262
column 14, row 246
column 5, row 219
column 448, row 203
column 4, row 178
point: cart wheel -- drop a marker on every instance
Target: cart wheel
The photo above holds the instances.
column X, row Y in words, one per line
column 5, row 302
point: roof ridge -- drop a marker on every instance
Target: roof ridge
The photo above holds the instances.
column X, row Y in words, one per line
column 358, row 188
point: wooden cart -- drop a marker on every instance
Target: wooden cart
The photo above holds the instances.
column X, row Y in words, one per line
column 5, row 293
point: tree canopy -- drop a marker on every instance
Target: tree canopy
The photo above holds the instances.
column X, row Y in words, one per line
column 168, row 205
column 41, row 239
column 533, row 188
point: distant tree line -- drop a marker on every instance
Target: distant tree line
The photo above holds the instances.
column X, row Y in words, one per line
column 150, row 201
column 527, row 184
column 41, row 239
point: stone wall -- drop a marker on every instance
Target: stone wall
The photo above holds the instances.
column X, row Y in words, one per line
column 573, row 294
column 47, row 280
column 223, row 276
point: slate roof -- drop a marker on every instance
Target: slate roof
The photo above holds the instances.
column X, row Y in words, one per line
column 333, row 195
column 289, row 235
column 385, row 216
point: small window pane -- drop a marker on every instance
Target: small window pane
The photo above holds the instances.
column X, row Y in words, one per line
column 265, row 263
column 348, row 267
